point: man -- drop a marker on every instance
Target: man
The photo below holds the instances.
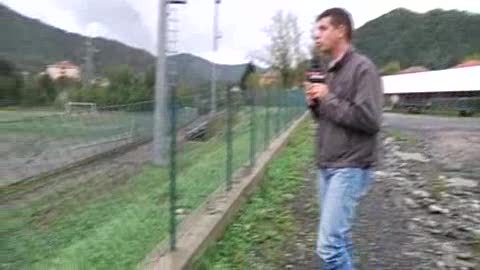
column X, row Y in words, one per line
column 348, row 110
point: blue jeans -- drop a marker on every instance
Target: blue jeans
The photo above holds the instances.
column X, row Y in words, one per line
column 340, row 191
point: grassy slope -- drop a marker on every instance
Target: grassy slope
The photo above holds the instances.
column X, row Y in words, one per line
column 253, row 241
column 116, row 226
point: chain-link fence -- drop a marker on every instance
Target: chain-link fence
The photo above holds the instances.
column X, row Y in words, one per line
column 80, row 190
column 219, row 144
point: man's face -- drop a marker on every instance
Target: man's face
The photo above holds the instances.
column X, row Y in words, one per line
column 327, row 36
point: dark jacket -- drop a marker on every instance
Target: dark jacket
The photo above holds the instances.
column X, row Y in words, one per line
column 349, row 117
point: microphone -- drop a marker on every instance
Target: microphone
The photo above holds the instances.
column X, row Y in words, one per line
column 315, row 74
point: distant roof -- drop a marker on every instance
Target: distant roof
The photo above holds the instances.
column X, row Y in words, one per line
column 468, row 63
column 64, row 64
column 413, row 69
column 447, row 80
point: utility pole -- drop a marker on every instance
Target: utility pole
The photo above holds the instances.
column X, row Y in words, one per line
column 161, row 123
column 161, row 133
column 216, row 37
column 89, row 71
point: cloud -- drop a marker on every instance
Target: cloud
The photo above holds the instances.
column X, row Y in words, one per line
column 117, row 18
column 134, row 22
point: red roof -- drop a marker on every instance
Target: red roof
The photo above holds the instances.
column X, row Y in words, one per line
column 468, row 63
column 65, row 64
column 413, row 69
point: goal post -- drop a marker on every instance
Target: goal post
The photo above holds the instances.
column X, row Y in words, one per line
column 71, row 107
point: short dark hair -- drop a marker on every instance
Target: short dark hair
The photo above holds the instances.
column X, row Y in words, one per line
column 339, row 16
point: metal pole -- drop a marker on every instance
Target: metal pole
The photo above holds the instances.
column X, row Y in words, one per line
column 216, row 37
column 253, row 129
column 229, row 140
column 161, row 130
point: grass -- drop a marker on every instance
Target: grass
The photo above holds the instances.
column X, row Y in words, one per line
column 255, row 238
column 113, row 226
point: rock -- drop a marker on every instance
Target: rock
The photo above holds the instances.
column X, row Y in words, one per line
column 427, row 201
column 451, row 234
column 180, row 211
column 441, row 265
column 382, row 174
column 411, row 226
column 388, row 140
column 453, row 167
column 435, row 209
column 288, row 196
column 420, row 194
column 431, row 223
column 461, row 183
column 410, row 203
column 465, row 256
column 449, row 248
column 411, row 156
column 466, row 265
column 471, row 219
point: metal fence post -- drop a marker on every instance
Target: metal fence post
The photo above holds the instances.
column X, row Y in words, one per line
column 267, row 118
column 173, row 168
column 229, row 141
column 253, row 128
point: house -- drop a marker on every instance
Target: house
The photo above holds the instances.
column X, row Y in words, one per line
column 468, row 63
column 413, row 69
column 269, row 78
column 64, row 69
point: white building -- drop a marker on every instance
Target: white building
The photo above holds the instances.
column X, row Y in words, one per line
column 64, row 69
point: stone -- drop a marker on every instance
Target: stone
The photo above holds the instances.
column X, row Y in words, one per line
column 428, row 201
column 411, row 156
column 466, row 265
column 420, row 194
column 465, row 256
column 451, row 234
column 180, row 211
column 388, row 140
column 288, row 196
column 435, row 209
column 431, row 223
column 441, row 265
column 461, row 183
column 448, row 248
column 453, row 167
column 382, row 174
column 410, row 203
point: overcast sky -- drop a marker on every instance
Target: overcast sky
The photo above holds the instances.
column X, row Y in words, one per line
column 241, row 21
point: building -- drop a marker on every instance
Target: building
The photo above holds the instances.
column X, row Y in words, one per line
column 431, row 88
column 468, row 63
column 64, row 69
column 413, row 69
column 269, row 78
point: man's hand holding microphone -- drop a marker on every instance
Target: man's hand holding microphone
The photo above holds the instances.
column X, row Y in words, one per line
column 315, row 85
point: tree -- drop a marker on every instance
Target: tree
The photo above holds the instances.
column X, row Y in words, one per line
column 185, row 95
column 122, row 84
column 284, row 53
column 391, row 68
column 250, row 69
column 473, row 56
column 46, row 86
column 11, row 82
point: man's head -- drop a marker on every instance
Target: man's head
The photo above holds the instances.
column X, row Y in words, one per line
column 333, row 28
